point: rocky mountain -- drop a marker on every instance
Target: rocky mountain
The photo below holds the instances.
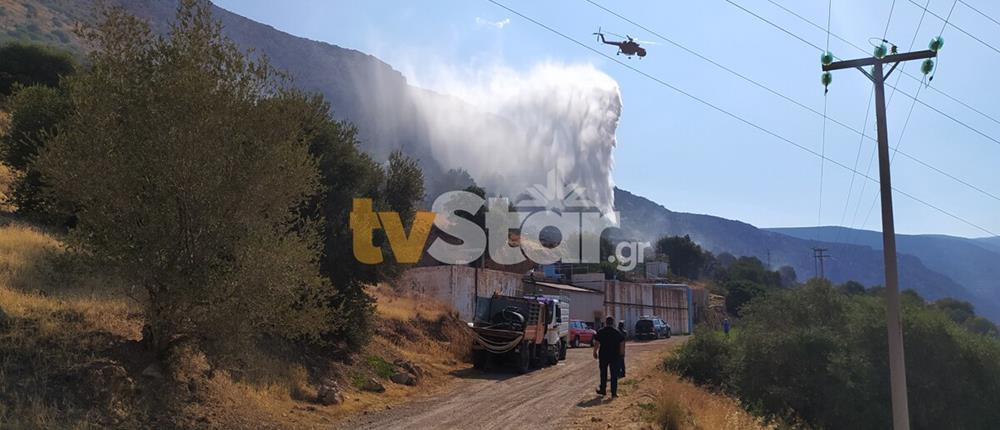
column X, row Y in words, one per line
column 861, row 261
column 973, row 263
column 379, row 101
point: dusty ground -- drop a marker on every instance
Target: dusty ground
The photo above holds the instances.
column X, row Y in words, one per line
column 555, row 397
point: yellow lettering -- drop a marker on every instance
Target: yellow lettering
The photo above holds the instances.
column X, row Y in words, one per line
column 407, row 249
column 364, row 222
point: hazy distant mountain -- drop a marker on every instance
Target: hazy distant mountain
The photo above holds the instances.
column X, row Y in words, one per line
column 992, row 243
column 973, row 263
column 368, row 92
column 862, row 262
column 360, row 88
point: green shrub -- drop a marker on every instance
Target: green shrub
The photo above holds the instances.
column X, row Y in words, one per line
column 704, row 358
column 380, row 366
column 819, row 355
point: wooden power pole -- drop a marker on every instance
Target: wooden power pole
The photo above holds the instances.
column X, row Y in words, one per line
column 818, row 255
column 897, row 365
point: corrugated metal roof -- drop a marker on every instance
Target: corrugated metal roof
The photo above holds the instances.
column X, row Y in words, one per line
column 565, row 287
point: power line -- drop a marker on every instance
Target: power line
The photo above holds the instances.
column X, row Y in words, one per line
column 727, row 113
column 785, row 97
column 857, row 157
column 887, row 21
column 979, row 12
column 943, row 26
column 946, row 23
column 890, row 86
column 871, row 158
column 822, row 165
column 851, row 44
column 819, row 211
column 895, row 88
column 895, row 150
column 899, row 142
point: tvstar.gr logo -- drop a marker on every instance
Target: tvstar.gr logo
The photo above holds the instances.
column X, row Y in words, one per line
column 545, row 213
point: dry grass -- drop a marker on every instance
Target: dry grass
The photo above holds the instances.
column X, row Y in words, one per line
column 7, row 175
column 45, row 334
column 58, row 315
column 7, row 179
column 682, row 405
column 653, row 398
column 395, row 305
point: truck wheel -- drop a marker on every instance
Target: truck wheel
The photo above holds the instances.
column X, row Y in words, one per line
column 576, row 342
column 562, row 350
column 524, row 359
column 479, row 359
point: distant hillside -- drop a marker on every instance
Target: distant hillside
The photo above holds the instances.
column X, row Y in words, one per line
column 642, row 218
column 973, row 263
column 993, row 243
column 360, row 88
column 375, row 97
column 43, row 21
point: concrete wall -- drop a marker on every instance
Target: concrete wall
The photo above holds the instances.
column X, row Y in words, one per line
column 591, row 281
column 627, row 301
column 457, row 285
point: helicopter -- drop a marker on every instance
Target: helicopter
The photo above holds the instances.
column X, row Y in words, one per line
column 629, row 47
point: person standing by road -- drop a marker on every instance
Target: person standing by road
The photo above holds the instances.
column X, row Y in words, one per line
column 621, row 360
column 609, row 347
column 725, row 326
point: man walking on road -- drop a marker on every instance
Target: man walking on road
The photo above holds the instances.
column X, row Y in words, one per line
column 609, row 347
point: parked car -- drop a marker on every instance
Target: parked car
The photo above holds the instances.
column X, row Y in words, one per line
column 651, row 328
column 579, row 333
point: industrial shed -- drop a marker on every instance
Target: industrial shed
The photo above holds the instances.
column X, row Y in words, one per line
column 628, row 301
column 584, row 304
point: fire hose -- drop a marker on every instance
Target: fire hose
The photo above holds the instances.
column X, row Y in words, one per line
column 498, row 347
column 509, row 319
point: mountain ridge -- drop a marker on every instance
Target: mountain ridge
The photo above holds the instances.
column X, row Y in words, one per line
column 378, row 99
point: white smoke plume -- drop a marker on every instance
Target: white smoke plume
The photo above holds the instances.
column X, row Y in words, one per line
column 512, row 129
column 499, row 25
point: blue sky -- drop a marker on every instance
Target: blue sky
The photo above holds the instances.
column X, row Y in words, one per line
column 691, row 158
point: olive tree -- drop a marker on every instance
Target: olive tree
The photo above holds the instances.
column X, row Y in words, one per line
column 187, row 164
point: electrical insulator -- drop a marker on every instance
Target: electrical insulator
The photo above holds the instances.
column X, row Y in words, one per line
column 826, row 58
column 936, row 44
column 826, row 79
column 927, row 66
column 880, row 51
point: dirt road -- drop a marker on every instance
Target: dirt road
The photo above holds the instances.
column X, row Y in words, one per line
column 549, row 398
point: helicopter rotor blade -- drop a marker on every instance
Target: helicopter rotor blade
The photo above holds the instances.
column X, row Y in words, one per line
column 615, row 34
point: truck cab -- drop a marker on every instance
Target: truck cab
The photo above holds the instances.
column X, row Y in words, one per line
column 557, row 325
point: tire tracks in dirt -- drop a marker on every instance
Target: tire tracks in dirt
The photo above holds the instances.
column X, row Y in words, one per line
column 552, row 397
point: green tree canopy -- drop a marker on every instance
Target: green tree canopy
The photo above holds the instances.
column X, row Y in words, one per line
column 36, row 113
column 818, row 356
column 347, row 173
column 686, row 258
column 185, row 163
column 26, row 64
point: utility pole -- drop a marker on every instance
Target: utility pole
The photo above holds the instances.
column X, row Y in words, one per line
column 818, row 255
column 897, row 364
